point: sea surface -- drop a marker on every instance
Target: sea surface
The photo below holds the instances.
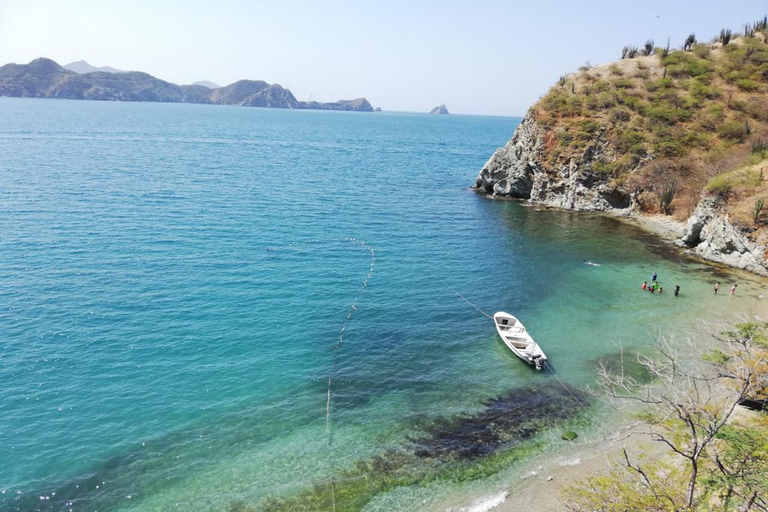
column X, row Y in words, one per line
column 179, row 284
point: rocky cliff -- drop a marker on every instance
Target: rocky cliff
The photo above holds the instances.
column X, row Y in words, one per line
column 682, row 133
column 520, row 170
column 44, row 78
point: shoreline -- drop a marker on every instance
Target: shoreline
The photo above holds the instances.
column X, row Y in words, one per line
column 536, row 484
column 666, row 228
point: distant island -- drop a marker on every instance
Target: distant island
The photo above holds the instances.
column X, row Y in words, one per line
column 44, row 78
column 441, row 110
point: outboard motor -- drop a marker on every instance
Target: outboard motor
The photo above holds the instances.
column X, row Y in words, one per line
column 537, row 362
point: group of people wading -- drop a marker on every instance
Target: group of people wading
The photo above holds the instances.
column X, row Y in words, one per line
column 733, row 289
column 655, row 287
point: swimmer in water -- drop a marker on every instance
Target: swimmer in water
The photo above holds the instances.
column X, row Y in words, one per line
column 677, row 290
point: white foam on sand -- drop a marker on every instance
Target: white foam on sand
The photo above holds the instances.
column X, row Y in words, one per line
column 487, row 503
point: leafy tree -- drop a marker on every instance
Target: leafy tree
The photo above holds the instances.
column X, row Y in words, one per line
column 689, row 409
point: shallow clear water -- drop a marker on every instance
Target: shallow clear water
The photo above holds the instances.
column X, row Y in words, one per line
column 173, row 280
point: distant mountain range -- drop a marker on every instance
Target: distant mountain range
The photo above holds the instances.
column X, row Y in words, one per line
column 44, row 78
column 81, row 67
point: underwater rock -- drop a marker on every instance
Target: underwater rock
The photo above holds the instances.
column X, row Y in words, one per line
column 510, row 418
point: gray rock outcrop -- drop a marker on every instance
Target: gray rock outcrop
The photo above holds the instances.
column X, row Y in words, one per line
column 710, row 235
column 518, row 170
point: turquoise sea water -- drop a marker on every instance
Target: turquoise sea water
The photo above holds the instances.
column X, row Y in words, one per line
column 174, row 279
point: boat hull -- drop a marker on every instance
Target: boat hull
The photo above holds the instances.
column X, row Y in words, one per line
column 517, row 339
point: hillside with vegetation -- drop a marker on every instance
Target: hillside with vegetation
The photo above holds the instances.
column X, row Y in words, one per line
column 676, row 121
column 681, row 132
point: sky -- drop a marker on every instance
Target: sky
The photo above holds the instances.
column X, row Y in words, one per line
column 478, row 57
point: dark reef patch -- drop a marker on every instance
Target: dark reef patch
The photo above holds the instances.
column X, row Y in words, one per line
column 464, row 448
column 515, row 416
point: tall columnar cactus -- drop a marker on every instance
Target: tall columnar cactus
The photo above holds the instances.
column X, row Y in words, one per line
column 648, row 47
column 689, row 42
column 667, row 196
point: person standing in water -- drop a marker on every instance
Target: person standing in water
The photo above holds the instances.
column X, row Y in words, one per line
column 733, row 290
column 717, row 287
column 677, row 290
column 645, row 285
column 653, row 277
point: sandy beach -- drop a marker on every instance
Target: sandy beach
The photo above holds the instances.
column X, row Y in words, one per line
column 544, row 478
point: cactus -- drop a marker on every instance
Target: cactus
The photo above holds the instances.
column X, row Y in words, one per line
column 648, row 47
column 667, row 195
column 689, row 42
column 666, row 50
column 562, row 81
column 759, row 146
column 725, row 36
column 757, row 209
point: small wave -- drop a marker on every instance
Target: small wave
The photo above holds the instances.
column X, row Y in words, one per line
column 487, row 503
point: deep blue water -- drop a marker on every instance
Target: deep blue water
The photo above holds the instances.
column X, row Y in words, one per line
column 173, row 280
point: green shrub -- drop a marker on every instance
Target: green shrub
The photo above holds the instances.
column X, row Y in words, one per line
column 623, row 83
column 720, row 185
column 588, row 126
column 733, row 130
column 746, row 84
column 629, row 139
column 696, row 138
column 619, row 115
column 666, row 113
column 702, row 51
column 606, row 100
column 669, row 147
column 662, row 83
column 741, row 178
column 564, row 138
column 700, row 91
column 681, row 64
column 616, row 70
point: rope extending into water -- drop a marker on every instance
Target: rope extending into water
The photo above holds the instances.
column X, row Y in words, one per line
column 469, row 302
column 545, row 362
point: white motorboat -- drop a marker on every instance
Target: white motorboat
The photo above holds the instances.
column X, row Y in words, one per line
column 516, row 338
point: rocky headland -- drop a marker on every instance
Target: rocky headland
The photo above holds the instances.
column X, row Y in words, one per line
column 44, row 78
column 681, row 134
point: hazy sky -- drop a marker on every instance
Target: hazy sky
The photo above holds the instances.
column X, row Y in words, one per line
column 491, row 57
